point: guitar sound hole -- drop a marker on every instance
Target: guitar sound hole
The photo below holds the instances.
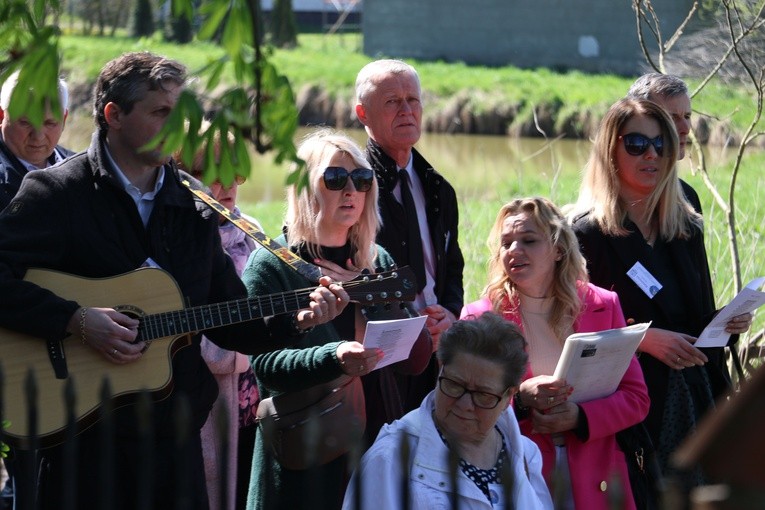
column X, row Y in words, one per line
column 135, row 313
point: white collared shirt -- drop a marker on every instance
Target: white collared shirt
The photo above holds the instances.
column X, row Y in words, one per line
column 143, row 201
column 57, row 158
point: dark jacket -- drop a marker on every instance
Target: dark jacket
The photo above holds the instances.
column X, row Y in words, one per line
column 608, row 260
column 443, row 220
column 12, row 171
column 78, row 219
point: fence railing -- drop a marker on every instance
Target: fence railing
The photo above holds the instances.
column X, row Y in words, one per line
column 27, row 496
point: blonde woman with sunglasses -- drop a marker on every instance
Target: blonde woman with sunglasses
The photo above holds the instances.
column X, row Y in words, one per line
column 333, row 223
column 641, row 231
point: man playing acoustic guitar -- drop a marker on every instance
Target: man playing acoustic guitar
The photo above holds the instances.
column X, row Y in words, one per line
column 107, row 212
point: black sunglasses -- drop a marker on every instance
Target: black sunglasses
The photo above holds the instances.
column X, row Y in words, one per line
column 636, row 144
column 336, row 177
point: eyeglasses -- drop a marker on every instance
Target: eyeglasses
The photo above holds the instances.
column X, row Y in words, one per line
column 453, row 389
column 336, row 177
column 636, row 144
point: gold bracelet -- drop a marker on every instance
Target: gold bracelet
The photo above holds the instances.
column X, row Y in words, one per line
column 82, row 324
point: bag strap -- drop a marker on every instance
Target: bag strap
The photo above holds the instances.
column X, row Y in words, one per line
column 310, row 271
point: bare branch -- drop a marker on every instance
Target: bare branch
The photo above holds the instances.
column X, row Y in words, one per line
column 680, row 29
column 639, row 17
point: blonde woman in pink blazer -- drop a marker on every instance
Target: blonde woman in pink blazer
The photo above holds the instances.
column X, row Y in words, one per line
column 538, row 279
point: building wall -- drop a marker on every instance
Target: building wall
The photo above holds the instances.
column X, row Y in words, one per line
column 589, row 35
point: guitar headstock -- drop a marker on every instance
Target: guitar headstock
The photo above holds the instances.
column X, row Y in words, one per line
column 396, row 285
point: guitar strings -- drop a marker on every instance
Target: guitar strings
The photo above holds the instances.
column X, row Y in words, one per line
column 206, row 316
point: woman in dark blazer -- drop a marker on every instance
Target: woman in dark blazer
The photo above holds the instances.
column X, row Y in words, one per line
column 641, row 230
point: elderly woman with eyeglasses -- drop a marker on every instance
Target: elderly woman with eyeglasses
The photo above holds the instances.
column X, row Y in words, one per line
column 538, row 280
column 462, row 433
column 333, row 222
column 641, row 230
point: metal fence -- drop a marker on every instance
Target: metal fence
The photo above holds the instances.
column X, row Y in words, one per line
column 674, row 497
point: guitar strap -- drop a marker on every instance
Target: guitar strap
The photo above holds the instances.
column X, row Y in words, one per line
column 310, row 271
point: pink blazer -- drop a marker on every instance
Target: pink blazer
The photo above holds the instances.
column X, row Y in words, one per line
column 594, row 463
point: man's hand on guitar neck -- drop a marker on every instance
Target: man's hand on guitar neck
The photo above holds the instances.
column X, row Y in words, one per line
column 109, row 332
column 327, row 301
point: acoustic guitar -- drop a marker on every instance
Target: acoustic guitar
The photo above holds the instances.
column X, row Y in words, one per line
column 152, row 296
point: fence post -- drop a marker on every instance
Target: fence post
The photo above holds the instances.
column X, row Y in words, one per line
column 404, row 458
column 454, row 465
column 507, row 480
column 69, row 498
column 182, row 457
column 222, row 422
column 354, row 466
column 28, row 489
column 146, row 444
column 106, row 487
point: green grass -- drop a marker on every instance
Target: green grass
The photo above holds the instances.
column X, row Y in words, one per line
column 332, row 62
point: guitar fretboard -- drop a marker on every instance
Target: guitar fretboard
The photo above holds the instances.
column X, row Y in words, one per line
column 199, row 318
column 397, row 285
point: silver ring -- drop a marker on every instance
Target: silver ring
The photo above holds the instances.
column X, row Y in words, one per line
column 361, row 368
column 678, row 360
column 550, row 400
column 114, row 352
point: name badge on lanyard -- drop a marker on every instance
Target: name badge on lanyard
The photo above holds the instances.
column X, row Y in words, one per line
column 497, row 496
column 645, row 280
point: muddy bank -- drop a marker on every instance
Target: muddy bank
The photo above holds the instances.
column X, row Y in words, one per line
column 468, row 112
column 477, row 113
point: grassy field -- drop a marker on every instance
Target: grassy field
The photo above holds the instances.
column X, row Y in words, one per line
column 481, row 196
column 333, row 63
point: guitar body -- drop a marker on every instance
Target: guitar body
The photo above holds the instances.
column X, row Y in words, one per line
column 144, row 291
column 152, row 296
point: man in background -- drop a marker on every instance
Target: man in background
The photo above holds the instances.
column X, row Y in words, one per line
column 418, row 206
column 24, row 147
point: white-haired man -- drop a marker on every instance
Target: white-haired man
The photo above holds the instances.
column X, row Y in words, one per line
column 24, row 147
column 418, row 206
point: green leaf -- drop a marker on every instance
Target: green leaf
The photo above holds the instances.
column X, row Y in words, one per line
column 243, row 162
column 214, row 11
column 183, row 8
column 214, row 71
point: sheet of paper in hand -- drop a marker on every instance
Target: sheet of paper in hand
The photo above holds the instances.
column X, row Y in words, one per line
column 594, row 363
column 394, row 337
column 748, row 300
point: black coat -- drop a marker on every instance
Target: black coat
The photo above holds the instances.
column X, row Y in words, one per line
column 608, row 260
column 77, row 218
column 12, row 171
column 443, row 220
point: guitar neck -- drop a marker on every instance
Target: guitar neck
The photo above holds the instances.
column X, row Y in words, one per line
column 199, row 318
column 396, row 285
